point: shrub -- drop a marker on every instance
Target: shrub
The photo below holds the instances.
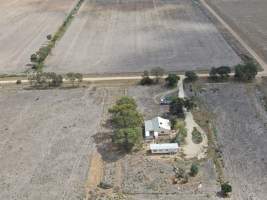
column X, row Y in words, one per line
column 194, row 169
column 226, row 188
column 18, row 82
column 191, row 76
column 157, row 72
column 220, row 73
column 196, row 136
column 146, row 80
column 246, row 72
column 172, row 80
column 49, row 37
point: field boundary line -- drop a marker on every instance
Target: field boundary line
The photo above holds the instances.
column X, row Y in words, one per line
column 236, row 36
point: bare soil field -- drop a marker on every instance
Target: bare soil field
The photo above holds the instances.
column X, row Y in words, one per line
column 24, row 25
column 114, row 36
column 248, row 18
column 46, row 142
column 241, row 133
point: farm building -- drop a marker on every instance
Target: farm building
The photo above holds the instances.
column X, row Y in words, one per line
column 156, row 126
column 164, row 148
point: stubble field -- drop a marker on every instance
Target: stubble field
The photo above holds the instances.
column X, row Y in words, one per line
column 241, row 130
column 115, row 36
column 24, row 25
column 248, row 18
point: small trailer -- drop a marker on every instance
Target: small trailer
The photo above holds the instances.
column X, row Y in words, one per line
column 164, row 148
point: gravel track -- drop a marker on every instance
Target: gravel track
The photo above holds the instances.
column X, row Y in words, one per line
column 130, row 36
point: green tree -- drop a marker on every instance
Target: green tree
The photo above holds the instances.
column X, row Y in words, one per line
column 127, row 118
column 73, row 77
column 178, row 104
column 226, row 188
column 126, row 100
column 194, row 169
column 223, row 72
column 246, row 72
column 34, row 58
column 146, row 80
column 213, row 74
column 127, row 122
column 189, row 103
column 172, row 80
column 127, row 138
column 191, row 76
column 158, row 72
column 176, row 107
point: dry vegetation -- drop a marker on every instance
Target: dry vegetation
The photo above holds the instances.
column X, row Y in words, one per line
column 240, row 127
column 52, row 139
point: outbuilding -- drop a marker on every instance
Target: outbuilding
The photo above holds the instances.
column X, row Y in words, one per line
column 157, row 126
column 164, row 148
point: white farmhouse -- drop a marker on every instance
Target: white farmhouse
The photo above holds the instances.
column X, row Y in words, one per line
column 164, row 148
column 156, row 126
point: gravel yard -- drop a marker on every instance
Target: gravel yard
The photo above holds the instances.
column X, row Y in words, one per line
column 248, row 18
column 115, row 36
column 24, row 25
column 241, row 131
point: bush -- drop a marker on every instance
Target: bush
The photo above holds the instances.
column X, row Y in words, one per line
column 196, row 136
column 178, row 104
column 226, row 188
column 220, row 73
column 146, row 80
column 191, row 76
column 49, row 37
column 246, row 72
column 18, row 82
column 194, row 169
column 157, row 72
column 172, row 80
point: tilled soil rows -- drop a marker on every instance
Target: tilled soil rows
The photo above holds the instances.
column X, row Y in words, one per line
column 241, row 130
column 24, row 25
column 115, row 36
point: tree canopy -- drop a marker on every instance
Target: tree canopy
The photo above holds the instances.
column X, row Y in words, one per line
column 191, row 76
column 172, row 80
column 246, row 72
column 127, row 123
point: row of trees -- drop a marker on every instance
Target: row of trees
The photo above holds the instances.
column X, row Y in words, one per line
column 127, row 123
column 39, row 57
column 243, row 72
column 156, row 72
column 51, row 79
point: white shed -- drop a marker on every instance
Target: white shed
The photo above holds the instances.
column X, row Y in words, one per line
column 164, row 148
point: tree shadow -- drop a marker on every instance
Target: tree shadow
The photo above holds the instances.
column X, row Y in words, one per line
column 220, row 194
column 105, row 147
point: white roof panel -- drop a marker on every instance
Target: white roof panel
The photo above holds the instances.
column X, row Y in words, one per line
column 164, row 146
